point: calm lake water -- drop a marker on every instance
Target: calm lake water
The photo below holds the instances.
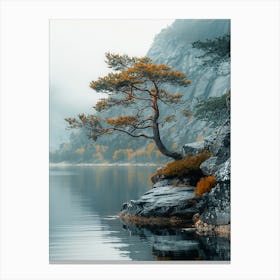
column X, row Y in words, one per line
column 84, row 226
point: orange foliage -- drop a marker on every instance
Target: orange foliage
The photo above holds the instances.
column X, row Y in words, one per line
column 80, row 150
column 116, row 154
column 150, row 148
column 101, row 105
column 122, row 120
column 139, row 152
column 183, row 167
column 204, row 185
column 98, row 155
column 177, row 95
column 135, row 71
column 100, row 148
column 130, row 154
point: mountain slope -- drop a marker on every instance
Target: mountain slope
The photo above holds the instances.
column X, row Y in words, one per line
column 173, row 47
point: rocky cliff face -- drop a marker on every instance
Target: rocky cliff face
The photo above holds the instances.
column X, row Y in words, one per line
column 214, row 206
column 173, row 46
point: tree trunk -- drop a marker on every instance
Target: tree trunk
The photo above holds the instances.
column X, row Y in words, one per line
column 157, row 138
column 161, row 146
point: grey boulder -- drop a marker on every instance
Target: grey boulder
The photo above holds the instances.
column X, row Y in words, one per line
column 164, row 201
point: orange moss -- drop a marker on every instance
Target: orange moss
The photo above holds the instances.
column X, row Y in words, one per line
column 183, row 167
column 151, row 178
column 204, row 185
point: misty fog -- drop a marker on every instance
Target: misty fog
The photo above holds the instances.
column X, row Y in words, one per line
column 77, row 49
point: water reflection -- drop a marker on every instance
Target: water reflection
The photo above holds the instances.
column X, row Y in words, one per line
column 180, row 244
column 84, row 202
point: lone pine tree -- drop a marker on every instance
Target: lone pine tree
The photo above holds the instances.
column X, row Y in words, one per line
column 138, row 84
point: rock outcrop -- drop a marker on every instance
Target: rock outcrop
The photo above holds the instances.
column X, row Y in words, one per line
column 173, row 46
column 214, row 207
column 164, row 204
column 172, row 201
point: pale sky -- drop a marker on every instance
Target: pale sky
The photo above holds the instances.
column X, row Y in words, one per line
column 77, row 49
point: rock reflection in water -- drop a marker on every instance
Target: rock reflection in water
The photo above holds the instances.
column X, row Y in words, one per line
column 179, row 244
column 84, row 226
column 215, row 247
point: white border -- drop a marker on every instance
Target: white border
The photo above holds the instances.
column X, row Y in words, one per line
column 255, row 138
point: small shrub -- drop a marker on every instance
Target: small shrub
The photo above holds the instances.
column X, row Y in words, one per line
column 204, row 185
column 80, row 151
column 213, row 110
column 183, row 167
column 187, row 113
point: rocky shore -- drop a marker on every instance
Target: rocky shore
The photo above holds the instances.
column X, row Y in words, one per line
column 172, row 201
